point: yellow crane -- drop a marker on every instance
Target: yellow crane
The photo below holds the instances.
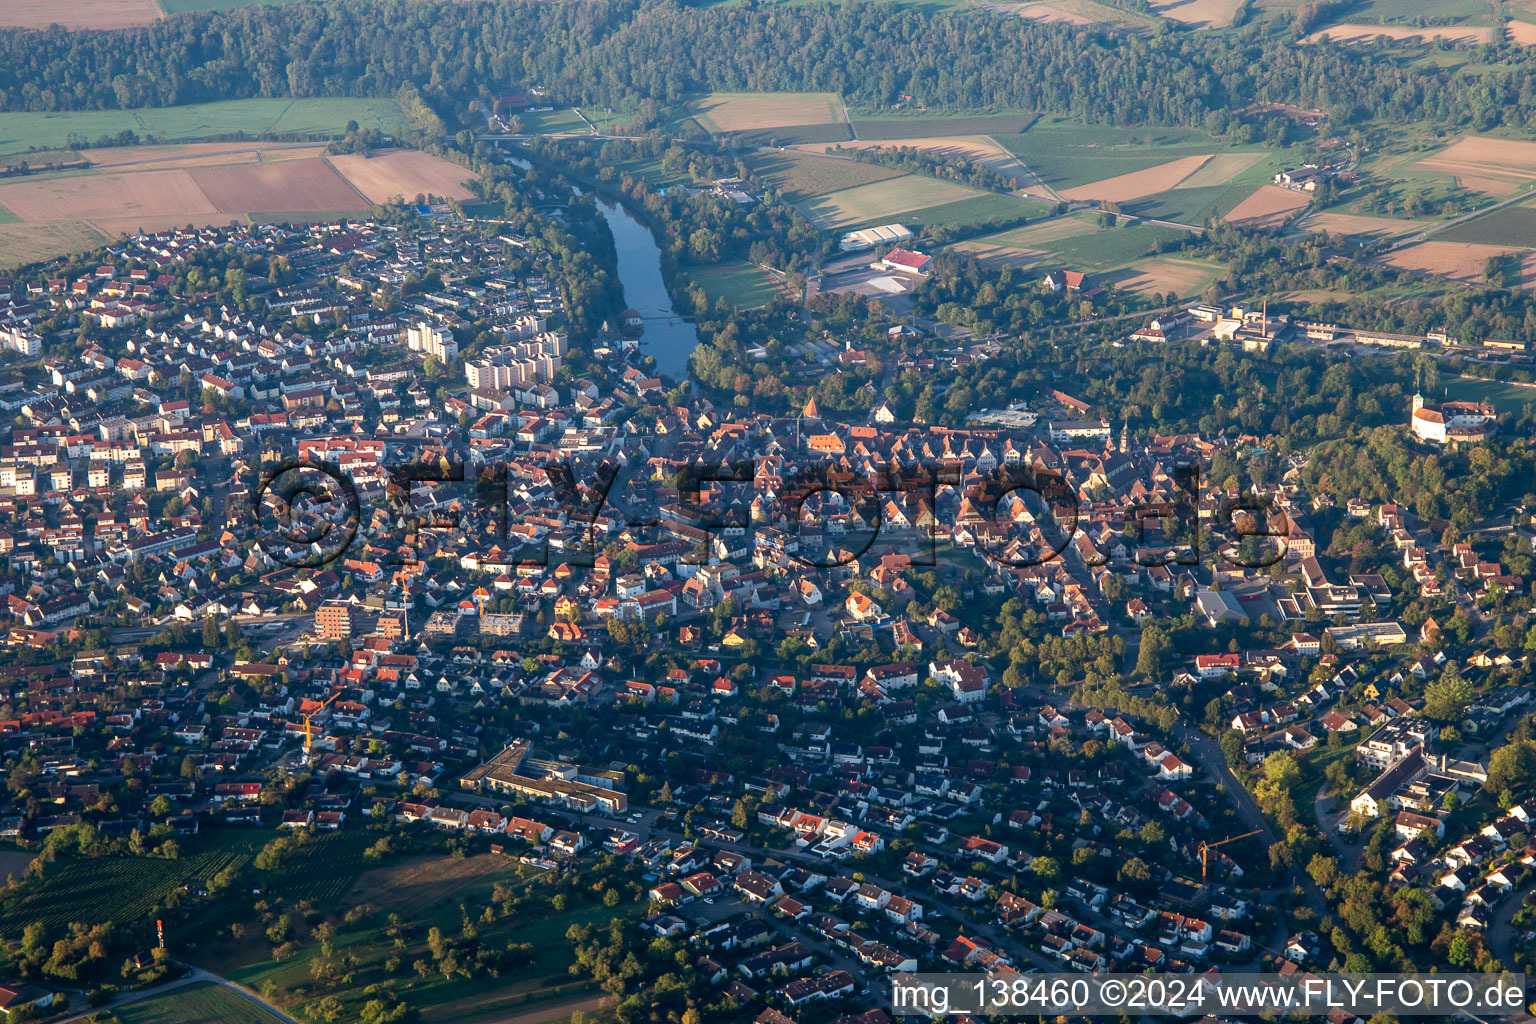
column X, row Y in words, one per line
column 1206, row 847
column 309, row 734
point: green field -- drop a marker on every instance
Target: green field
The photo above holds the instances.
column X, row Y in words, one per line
column 801, row 175
column 1510, row 398
column 741, row 284
column 189, row 6
column 1065, row 154
column 1078, row 243
column 882, row 200
column 921, row 126
column 7, row 217
column 22, row 131
column 199, row 1003
column 977, row 212
column 1513, row 225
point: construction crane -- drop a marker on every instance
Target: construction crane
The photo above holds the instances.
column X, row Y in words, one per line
column 309, row 734
column 1206, row 848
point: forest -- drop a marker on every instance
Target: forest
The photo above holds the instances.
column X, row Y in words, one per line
column 645, row 56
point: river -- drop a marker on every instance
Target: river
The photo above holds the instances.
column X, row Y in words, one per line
column 670, row 339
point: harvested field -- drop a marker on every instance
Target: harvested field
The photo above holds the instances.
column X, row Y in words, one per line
column 300, row 185
column 1164, row 274
column 159, row 187
column 881, row 199
column 1137, row 184
column 93, row 14
column 1199, row 13
column 114, row 226
column 1367, row 33
column 1492, row 166
column 800, row 176
column 745, row 112
column 148, row 193
column 1522, row 32
column 1269, row 207
column 403, row 172
column 1350, row 224
column 1462, row 262
column 414, row 886
column 978, row 149
column 1220, row 169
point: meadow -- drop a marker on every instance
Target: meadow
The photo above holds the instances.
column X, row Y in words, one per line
column 1075, row 243
column 882, row 200
column 1066, row 154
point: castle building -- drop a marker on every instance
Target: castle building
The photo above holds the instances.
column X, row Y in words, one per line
column 1452, row 422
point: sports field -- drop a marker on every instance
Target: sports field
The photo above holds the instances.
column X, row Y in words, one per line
column 881, row 200
column 749, row 112
column 1505, row 397
column 21, row 131
column 741, row 284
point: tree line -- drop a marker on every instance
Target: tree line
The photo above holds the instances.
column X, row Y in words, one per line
column 622, row 53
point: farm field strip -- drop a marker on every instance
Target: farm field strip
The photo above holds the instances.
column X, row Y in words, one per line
column 978, row 149
column 1137, row 184
column 21, row 131
column 1354, row 33
column 800, row 175
column 1355, row 224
